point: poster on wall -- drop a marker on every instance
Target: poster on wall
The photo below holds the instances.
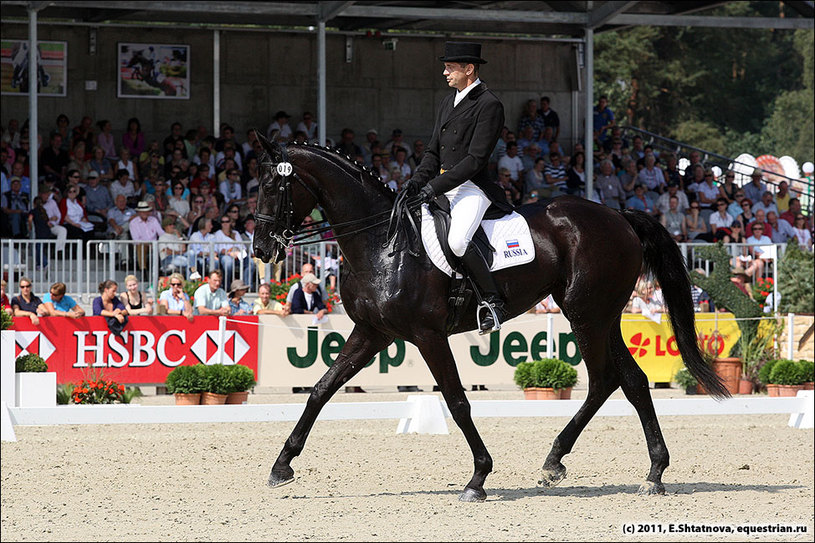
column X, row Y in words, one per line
column 150, row 70
column 51, row 72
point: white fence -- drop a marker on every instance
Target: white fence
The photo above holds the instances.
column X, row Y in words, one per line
column 82, row 266
column 423, row 413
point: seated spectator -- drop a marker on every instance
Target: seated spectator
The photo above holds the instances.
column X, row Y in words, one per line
column 172, row 250
column 109, row 305
column 4, row 301
column 136, row 302
column 555, row 175
column 144, row 227
column 651, row 176
column 695, row 225
column 210, row 298
column 100, row 163
column 780, row 230
column 305, row 269
column 746, row 216
column 97, row 201
column 766, row 204
column 535, row 181
column 57, row 304
column 736, row 234
column 26, row 304
column 740, row 279
column 721, row 218
column 231, row 187
column 547, row 305
column 755, row 188
column 119, row 218
column 306, row 299
column 15, row 206
column 505, row 182
column 672, row 189
column 608, row 184
column 640, row 201
column 756, row 239
column 646, row 301
column 791, row 214
column 125, row 186
column 174, row 301
column 782, row 197
column 512, row 162
column 230, row 251
column 706, row 192
column 759, row 218
column 802, row 234
column 576, row 174
column 73, row 215
column 674, row 221
column 237, row 305
column 264, row 305
column 728, row 188
column 734, row 208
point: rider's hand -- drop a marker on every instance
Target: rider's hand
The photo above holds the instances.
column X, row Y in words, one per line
column 411, row 187
column 427, row 193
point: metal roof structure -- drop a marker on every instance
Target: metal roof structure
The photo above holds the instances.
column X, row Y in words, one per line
column 572, row 19
column 475, row 17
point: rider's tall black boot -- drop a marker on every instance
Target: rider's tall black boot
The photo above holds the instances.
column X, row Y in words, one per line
column 492, row 314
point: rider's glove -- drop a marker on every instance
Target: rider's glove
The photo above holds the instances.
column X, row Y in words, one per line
column 411, row 187
column 427, row 193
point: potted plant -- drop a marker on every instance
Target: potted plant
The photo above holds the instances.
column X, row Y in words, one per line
column 764, row 377
column 788, row 376
column 563, row 377
column 686, row 380
column 216, row 384
column 523, row 378
column 35, row 385
column 807, row 368
column 241, row 379
column 186, row 383
column 96, row 390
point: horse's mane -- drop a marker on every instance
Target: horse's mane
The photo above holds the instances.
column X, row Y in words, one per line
column 350, row 166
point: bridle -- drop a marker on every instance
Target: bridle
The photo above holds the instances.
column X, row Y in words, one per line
column 284, row 211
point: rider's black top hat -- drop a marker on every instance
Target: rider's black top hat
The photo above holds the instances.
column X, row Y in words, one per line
column 462, row 51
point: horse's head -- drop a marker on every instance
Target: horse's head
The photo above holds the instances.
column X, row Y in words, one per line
column 284, row 200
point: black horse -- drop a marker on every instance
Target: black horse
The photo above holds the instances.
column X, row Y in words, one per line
column 587, row 256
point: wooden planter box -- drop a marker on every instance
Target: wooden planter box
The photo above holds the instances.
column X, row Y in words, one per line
column 34, row 389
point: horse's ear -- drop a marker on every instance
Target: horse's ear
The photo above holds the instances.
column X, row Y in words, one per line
column 272, row 148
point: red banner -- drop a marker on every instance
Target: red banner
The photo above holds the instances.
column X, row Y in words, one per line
column 150, row 347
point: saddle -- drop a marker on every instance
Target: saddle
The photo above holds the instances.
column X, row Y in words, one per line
column 461, row 288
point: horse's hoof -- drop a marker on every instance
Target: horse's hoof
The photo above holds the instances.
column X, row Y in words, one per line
column 650, row 488
column 470, row 495
column 280, row 479
column 551, row 477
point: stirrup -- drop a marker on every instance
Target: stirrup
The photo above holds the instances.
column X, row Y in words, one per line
column 496, row 322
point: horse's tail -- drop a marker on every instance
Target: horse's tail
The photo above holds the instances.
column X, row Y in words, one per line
column 662, row 258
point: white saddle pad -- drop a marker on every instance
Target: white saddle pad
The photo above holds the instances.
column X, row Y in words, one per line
column 509, row 235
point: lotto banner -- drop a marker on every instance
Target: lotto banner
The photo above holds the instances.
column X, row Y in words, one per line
column 149, row 349
column 653, row 345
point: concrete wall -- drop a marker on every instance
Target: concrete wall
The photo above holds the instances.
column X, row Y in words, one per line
column 262, row 73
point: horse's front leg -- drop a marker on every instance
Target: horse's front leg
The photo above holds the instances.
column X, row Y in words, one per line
column 362, row 345
column 439, row 358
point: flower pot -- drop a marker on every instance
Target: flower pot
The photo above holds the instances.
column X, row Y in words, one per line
column 566, row 393
column 691, row 390
column 36, row 389
column 745, row 386
column 210, row 398
column 548, row 394
column 809, row 385
column 786, row 391
column 187, row 399
column 238, row 397
column 772, row 391
column 729, row 369
column 531, row 393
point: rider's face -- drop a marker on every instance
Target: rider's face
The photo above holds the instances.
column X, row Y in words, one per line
column 457, row 73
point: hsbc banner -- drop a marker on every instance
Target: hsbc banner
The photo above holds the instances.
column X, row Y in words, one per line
column 150, row 347
column 653, row 345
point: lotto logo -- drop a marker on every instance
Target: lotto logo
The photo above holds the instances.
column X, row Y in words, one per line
column 638, row 344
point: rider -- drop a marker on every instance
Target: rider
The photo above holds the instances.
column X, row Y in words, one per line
column 467, row 128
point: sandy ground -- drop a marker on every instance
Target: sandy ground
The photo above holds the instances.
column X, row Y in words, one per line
column 360, row 481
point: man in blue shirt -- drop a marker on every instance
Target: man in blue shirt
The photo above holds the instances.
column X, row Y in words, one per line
column 603, row 119
column 57, row 304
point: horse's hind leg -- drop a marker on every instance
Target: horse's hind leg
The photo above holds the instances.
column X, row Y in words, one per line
column 362, row 345
column 603, row 380
column 439, row 358
column 635, row 386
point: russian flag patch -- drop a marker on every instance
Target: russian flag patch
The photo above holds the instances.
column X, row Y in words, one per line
column 512, row 244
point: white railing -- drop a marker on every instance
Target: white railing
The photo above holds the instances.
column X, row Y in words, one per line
column 82, row 266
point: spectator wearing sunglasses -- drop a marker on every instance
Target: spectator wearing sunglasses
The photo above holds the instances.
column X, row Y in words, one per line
column 174, row 301
column 27, row 304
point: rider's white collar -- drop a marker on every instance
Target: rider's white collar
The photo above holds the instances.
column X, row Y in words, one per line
column 461, row 94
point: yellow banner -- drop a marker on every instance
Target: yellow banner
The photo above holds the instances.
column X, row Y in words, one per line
column 653, row 345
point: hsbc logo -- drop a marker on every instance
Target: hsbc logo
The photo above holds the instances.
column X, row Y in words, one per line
column 639, row 346
column 33, row 343
column 141, row 348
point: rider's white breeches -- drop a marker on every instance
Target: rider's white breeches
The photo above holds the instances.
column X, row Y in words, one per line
column 468, row 203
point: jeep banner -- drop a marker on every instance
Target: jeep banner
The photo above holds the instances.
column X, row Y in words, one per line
column 149, row 348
